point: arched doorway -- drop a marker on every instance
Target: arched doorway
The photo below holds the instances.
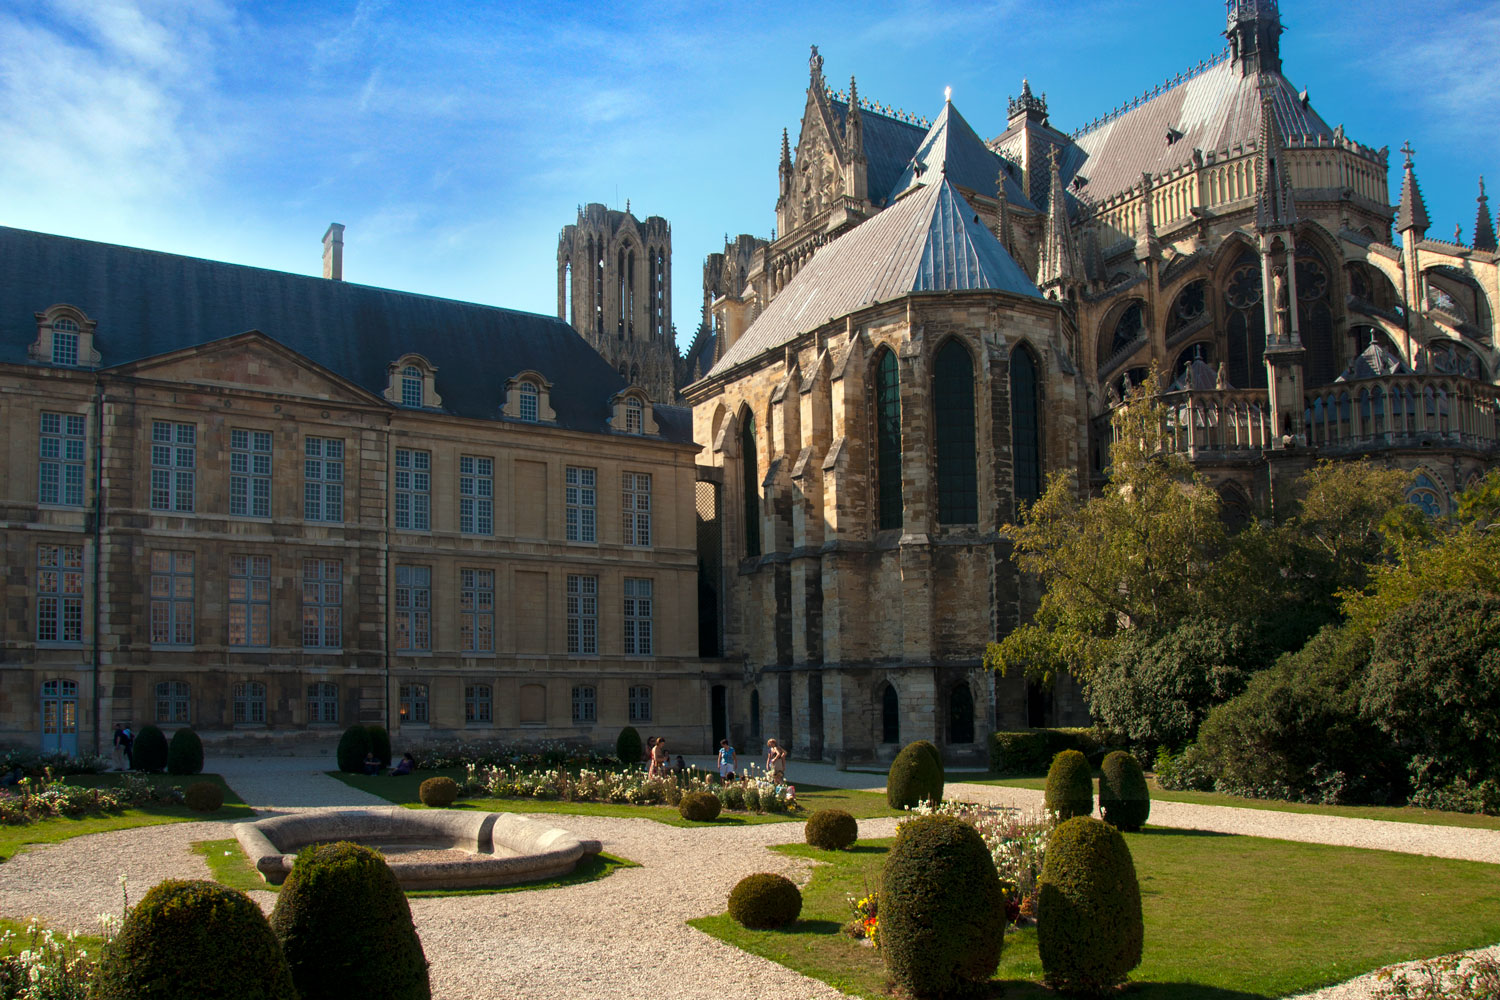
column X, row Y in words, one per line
column 890, row 715
column 961, row 714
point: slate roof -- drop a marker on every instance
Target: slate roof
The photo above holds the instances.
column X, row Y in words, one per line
column 889, row 145
column 1412, row 213
column 1373, row 362
column 1213, row 110
column 148, row 303
column 929, row 240
column 952, row 148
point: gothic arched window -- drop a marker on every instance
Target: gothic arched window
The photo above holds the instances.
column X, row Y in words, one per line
column 1128, row 327
column 750, row 472
column 890, row 715
column 1025, row 426
column 1189, row 306
column 888, row 440
column 1245, row 324
column 1427, row 495
column 953, row 417
column 1315, row 318
column 961, row 714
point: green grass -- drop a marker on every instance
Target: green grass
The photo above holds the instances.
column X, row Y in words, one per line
column 92, row 943
column 229, row 866
column 14, row 839
column 402, row 790
column 1226, row 917
column 1392, row 814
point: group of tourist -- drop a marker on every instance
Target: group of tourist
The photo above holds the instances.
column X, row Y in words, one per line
column 658, row 761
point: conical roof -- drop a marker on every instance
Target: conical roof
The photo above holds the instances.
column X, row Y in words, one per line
column 954, row 150
column 1373, row 362
column 1484, row 228
column 1413, row 213
column 1198, row 376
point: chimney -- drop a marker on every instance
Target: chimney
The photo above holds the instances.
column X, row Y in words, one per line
column 333, row 252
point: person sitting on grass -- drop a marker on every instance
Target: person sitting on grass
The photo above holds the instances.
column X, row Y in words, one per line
column 406, row 765
column 372, row 763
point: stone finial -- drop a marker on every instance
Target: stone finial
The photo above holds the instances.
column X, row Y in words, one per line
column 815, row 66
column 333, row 252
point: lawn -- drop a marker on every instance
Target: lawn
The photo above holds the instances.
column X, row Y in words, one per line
column 14, row 839
column 1226, row 917
column 402, row 790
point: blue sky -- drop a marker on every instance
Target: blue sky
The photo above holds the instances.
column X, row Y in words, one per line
column 454, row 139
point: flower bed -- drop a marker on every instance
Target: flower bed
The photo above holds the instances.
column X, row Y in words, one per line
column 1017, row 842
column 33, row 799
column 502, row 753
column 753, row 793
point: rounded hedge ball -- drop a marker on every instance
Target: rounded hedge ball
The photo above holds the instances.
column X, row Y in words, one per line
column 764, row 901
column 831, row 829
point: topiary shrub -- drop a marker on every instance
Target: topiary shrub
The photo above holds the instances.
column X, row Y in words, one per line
column 628, row 746
column 1030, row 751
column 942, row 912
column 346, row 927
column 380, row 744
column 440, row 792
column 353, row 746
column 831, row 829
column 203, row 796
column 916, row 775
column 1070, row 786
column 149, row 752
column 193, row 939
column 700, row 807
column 1089, row 928
column 764, row 901
column 185, row 753
column 1124, row 799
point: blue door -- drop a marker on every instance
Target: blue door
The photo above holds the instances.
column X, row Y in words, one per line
column 60, row 716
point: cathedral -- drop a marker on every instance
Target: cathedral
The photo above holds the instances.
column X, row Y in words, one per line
column 942, row 321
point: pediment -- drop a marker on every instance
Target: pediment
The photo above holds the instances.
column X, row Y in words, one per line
column 250, row 361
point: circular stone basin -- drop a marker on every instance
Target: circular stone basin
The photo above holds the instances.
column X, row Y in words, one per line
column 427, row 848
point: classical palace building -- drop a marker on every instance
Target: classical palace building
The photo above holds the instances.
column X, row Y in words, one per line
column 940, row 322
column 267, row 506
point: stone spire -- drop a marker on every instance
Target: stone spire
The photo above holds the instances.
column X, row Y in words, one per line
column 1275, row 209
column 1412, row 215
column 1254, row 33
column 1146, row 244
column 854, row 122
column 1002, row 220
column 786, row 151
column 856, row 173
column 1484, row 228
column 1059, row 264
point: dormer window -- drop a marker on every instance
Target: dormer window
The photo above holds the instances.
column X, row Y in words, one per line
column 412, row 383
column 411, row 386
column 529, row 396
column 632, row 414
column 635, row 415
column 64, row 336
column 65, row 342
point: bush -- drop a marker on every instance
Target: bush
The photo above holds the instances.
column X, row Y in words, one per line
column 193, row 939
column 203, row 796
column 440, row 792
column 1089, row 926
column 831, row 829
column 1030, row 751
column 346, row 927
column 149, row 752
column 628, row 746
column 942, row 912
column 916, row 776
column 353, row 746
column 1124, row 799
column 380, row 744
column 764, row 901
column 185, row 753
column 1070, row 786
column 700, row 807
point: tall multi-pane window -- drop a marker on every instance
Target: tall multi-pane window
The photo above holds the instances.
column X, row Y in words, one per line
column 173, row 701
column 413, row 490
column 414, row 703
column 640, row 703
column 479, row 705
column 174, row 463
column 528, row 402
column 60, row 466
column 635, row 496
column 64, row 342
column 750, row 473
column 249, row 600
column 476, row 493
column 635, row 416
column 953, row 405
column 323, row 479
column 637, row 617
column 585, row 706
column 249, row 473
column 888, row 440
column 171, row 598
column 1025, row 432
column 583, row 614
column 250, row 703
column 59, row 593
column 322, row 702
column 476, row 610
column 411, row 386
column 322, row 603
column 413, row 607
column 578, row 497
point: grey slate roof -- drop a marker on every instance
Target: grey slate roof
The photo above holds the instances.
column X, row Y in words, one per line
column 952, row 148
column 929, row 240
column 148, row 303
column 1213, row 110
column 1412, row 213
column 1373, row 362
column 889, row 145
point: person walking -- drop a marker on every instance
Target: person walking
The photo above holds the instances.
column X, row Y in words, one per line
column 726, row 762
column 127, row 745
column 659, row 758
column 119, row 748
column 776, row 761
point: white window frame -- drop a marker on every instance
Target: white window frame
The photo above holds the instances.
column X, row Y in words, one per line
column 174, row 465
column 583, row 614
column 174, row 702
column 585, row 705
column 249, row 601
column 637, row 611
column 249, row 473
column 250, row 703
column 413, row 618
column 580, row 500
column 476, row 495
column 476, row 610
column 60, row 459
column 323, row 603
column 479, row 705
column 322, row 703
column 59, row 594
column 411, row 380
column 639, row 700
column 414, row 705
column 413, row 484
column 635, row 502
column 172, row 597
column 323, row 479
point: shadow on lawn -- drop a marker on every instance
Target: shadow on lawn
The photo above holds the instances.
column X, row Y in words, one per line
column 1173, row 831
column 1021, row 989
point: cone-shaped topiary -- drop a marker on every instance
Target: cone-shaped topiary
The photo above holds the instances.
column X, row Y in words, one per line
column 193, row 939
column 1124, row 799
column 440, row 792
column 700, row 807
column 942, row 912
column 353, row 746
column 149, row 752
column 185, row 753
column 628, row 746
column 1070, row 786
column 380, row 744
column 346, row 928
column 831, row 829
column 203, row 796
column 765, row 900
column 1089, row 928
column 916, row 776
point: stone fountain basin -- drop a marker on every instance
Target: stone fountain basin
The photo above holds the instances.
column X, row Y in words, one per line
column 426, row 848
